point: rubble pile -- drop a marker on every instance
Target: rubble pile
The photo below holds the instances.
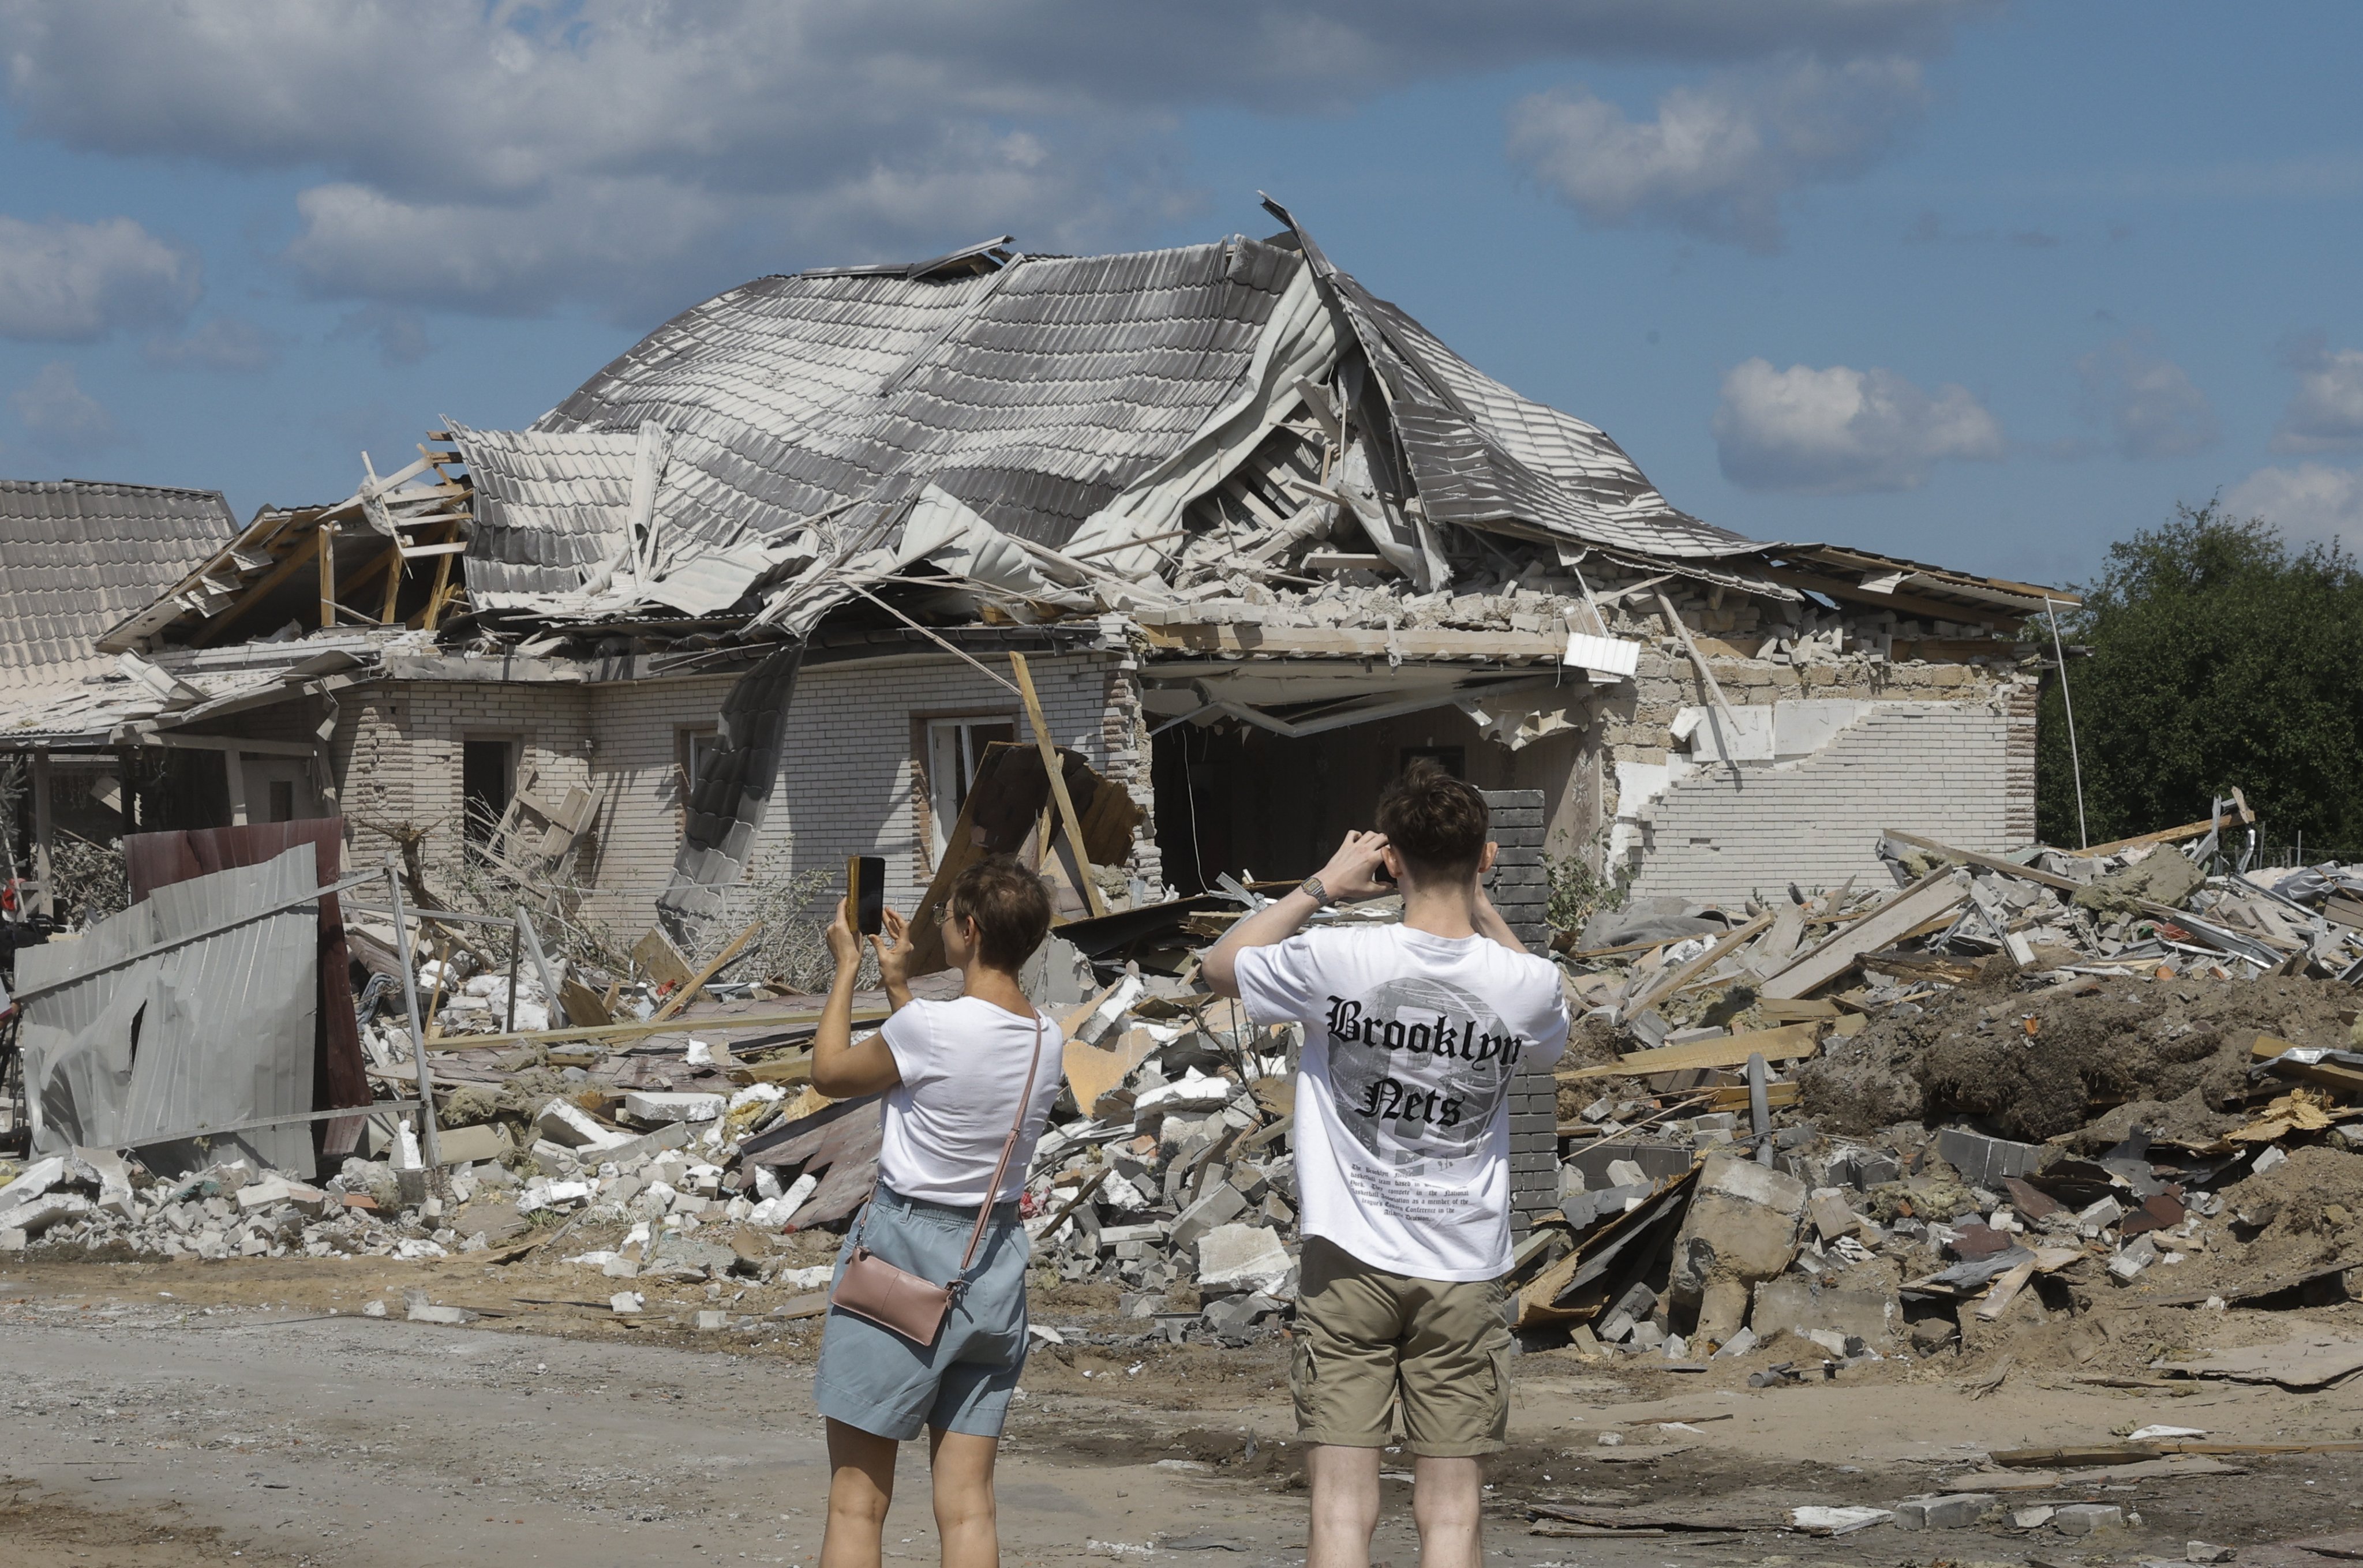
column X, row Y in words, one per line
column 1818, row 1132
column 1997, row 1095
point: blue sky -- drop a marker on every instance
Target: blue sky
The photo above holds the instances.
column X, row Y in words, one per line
column 1973, row 281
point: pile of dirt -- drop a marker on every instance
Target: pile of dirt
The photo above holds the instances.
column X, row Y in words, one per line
column 2302, row 1217
column 2036, row 1069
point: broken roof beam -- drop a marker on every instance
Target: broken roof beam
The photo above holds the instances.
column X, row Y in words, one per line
column 1907, row 603
column 289, row 564
column 1345, row 642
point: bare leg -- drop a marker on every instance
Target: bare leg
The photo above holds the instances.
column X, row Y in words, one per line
column 861, row 1488
column 1345, row 1505
column 965, row 1518
column 1447, row 1500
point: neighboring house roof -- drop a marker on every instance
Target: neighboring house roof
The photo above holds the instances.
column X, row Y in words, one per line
column 77, row 555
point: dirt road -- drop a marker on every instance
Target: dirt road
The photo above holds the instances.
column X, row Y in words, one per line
column 157, row 1417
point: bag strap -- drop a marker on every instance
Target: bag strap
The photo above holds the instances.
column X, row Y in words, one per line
column 992, row 1191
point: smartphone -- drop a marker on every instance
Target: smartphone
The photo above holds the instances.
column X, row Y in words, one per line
column 865, row 892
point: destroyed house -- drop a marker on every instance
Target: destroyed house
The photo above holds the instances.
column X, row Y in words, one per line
column 752, row 598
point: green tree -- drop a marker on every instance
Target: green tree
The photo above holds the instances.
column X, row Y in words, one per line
column 2218, row 656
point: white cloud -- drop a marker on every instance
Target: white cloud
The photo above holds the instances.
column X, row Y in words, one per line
column 2310, row 501
column 1840, row 430
column 230, row 344
column 57, row 410
column 71, row 282
column 2325, row 413
column 1718, row 159
column 624, row 151
column 2150, row 404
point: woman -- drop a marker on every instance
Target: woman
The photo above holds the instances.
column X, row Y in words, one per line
column 953, row 1073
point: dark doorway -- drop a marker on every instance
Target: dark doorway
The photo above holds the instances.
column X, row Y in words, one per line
column 487, row 780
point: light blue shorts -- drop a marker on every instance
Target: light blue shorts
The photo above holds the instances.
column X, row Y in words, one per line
column 875, row 1379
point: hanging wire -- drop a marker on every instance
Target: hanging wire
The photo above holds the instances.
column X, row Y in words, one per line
column 2075, row 760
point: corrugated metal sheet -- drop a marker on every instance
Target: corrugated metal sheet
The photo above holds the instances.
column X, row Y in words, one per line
column 340, row 1074
column 1033, row 395
column 210, row 1033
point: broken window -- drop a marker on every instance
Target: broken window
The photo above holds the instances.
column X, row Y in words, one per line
column 487, row 782
column 954, row 748
column 692, row 750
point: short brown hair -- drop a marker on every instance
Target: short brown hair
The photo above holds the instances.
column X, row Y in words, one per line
column 1437, row 823
column 1011, row 909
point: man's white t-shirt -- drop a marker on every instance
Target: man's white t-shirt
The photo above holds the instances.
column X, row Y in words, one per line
column 1403, row 1119
column 963, row 1066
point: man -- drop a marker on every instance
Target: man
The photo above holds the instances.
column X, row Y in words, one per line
column 1412, row 1035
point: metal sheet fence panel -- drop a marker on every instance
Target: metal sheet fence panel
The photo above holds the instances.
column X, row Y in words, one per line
column 217, row 1032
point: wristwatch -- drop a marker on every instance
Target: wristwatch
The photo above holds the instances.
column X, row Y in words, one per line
column 1320, row 895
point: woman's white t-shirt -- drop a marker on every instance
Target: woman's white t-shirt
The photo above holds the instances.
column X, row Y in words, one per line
column 963, row 1066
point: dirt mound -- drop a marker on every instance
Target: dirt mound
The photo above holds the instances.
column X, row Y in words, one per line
column 2036, row 1070
column 2302, row 1216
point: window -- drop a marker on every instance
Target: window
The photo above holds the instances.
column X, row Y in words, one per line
column 487, row 782
column 692, row 752
column 955, row 746
column 1453, row 759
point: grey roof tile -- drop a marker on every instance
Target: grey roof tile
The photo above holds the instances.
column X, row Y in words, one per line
column 77, row 555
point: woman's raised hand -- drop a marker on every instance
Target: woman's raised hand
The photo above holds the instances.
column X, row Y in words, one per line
column 843, row 945
column 896, row 950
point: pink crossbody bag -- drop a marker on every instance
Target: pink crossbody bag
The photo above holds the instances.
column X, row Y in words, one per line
column 905, row 1303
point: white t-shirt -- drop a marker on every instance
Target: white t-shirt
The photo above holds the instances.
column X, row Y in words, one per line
column 963, row 1066
column 1403, row 1119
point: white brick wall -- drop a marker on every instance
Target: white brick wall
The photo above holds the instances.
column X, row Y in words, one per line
column 848, row 777
column 1941, row 769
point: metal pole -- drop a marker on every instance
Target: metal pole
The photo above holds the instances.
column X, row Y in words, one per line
column 2075, row 760
column 541, row 965
column 1760, row 1107
column 430, row 1150
column 516, row 951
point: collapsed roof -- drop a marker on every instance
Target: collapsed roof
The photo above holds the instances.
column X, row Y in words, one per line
column 1023, row 438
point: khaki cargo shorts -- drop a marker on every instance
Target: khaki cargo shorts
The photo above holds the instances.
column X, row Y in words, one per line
column 1366, row 1338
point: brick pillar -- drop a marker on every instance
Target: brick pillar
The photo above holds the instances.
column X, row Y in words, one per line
column 1520, row 891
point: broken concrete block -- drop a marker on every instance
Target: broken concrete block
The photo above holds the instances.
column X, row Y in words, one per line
column 13, row 1239
column 1624, row 1173
column 571, row 1127
column 2133, row 1258
column 2200, row 1552
column 2035, row 1518
column 33, row 1181
column 673, row 1105
column 1741, row 1228
column 113, row 1176
column 1656, row 1162
column 1242, row 1256
column 2103, row 1213
column 1958, row 1511
column 1222, row 1204
column 473, row 1146
column 373, row 1309
column 626, row 1302
column 709, row 1323
column 1831, row 1216
column 38, row 1216
column 1739, row 1344
column 1983, row 1160
column 2084, row 1518
column 429, row 1313
column 1793, row 1306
